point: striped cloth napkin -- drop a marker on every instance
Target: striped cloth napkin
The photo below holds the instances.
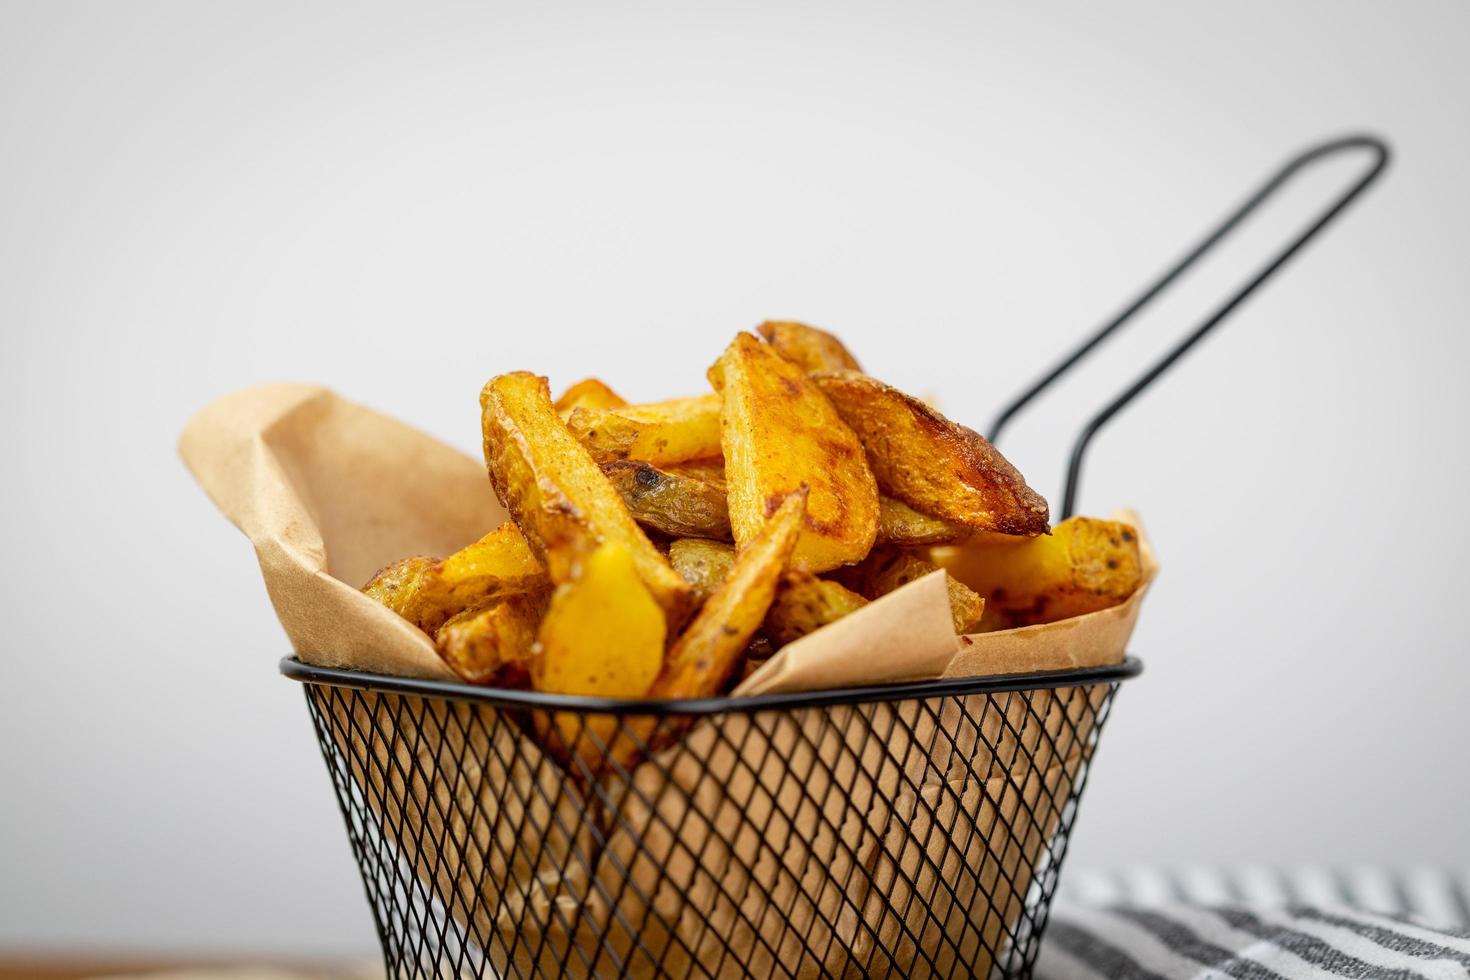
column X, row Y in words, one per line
column 1259, row 924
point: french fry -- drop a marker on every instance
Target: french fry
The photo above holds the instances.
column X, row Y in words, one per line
column 780, row 433
column 807, row 347
column 702, row 563
column 659, row 432
column 930, row 463
column 560, row 498
column 669, row 501
column 1084, row 565
column 886, row 570
column 587, row 393
column 901, row 525
column 492, row 645
column 805, row 603
column 428, row 591
column 603, row 635
column 709, row 650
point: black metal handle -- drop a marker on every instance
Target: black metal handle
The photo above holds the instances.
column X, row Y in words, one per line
column 1381, row 156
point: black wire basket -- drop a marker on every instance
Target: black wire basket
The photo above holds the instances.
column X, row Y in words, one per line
column 907, row 830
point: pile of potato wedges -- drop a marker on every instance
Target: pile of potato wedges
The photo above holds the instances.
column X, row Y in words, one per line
column 662, row 550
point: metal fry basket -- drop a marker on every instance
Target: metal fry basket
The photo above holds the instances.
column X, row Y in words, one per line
column 914, row 829
column 905, row 830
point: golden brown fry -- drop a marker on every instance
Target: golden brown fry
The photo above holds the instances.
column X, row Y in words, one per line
column 779, row 434
column 711, row 470
column 930, row 463
column 704, row 564
column 587, row 393
column 807, row 347
column 805, row 603
column 901, row 525
column 427, row 592
column 603, row 635
column 557, row 494
column 660, row 432
column 493, row 645
column 1084, row 565
column 886, row 570
column 671, row 502
column 710, row 649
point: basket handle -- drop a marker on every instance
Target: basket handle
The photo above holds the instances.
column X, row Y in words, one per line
column 1380, row 156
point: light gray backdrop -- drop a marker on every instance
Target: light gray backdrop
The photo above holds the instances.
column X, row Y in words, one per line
column 402, row 201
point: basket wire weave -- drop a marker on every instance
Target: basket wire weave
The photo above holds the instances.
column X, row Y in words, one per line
column 915, row 830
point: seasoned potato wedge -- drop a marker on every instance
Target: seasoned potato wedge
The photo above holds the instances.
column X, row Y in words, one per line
column 493, row 645
column 427, row 592
column 560, row 498
column 587, row 393
column 805, row 603
column 899, row 524
column 709, row 650
column 807, row 347
column 887, row 570
column 659, row 432
column 603, row 635
column 780, row 433
column 1084, row 565
column 669, row 501
column 930, row 463
column 702, row 563
column 711, row 470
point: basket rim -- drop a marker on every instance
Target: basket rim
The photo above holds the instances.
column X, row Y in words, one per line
column 304, row 673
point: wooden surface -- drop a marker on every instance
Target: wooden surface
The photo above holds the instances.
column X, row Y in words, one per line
column 61, row 965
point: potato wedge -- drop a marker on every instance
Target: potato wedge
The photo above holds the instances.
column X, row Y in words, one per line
column 807, row 347
column 805, row 603
column 887, row 570
column 492, row 645
column 709, row 650
column 1084, row 565
column 704, row 564
column 901, row 525
column 711, row 470
column 930, row 463
column 779, row 433
column 427, row 592
column 587, row 393
column 557, row 494
column 660, row 432
column 603, row 635
column 668, row 501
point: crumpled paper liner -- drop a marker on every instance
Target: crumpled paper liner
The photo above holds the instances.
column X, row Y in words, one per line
column 811, row 836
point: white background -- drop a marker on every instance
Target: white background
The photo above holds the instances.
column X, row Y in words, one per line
column 402, row 202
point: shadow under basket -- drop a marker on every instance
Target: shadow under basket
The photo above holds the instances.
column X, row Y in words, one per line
column 905, row 830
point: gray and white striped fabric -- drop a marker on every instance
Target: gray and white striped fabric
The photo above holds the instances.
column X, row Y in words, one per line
column 1259, row 924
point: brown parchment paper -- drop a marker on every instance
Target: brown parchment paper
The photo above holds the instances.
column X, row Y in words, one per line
column 328, row 491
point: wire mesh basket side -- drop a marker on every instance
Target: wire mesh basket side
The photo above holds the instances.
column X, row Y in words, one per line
column 910, row 837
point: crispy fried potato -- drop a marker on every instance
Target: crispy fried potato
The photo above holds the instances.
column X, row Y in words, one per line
column 930, row 463
column 899, row 524
column 805, row 603
column 667, row 501
column 711, row 470
column 492, row 645
column 807, row 347
column 1084, row 565
column 603, row 635
column 704, row 564
column 427, row 592
column 587, row 393
column 889, row 569
column 659, row 432
column 709, row 650
column 557, row 494
column 779, row 434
